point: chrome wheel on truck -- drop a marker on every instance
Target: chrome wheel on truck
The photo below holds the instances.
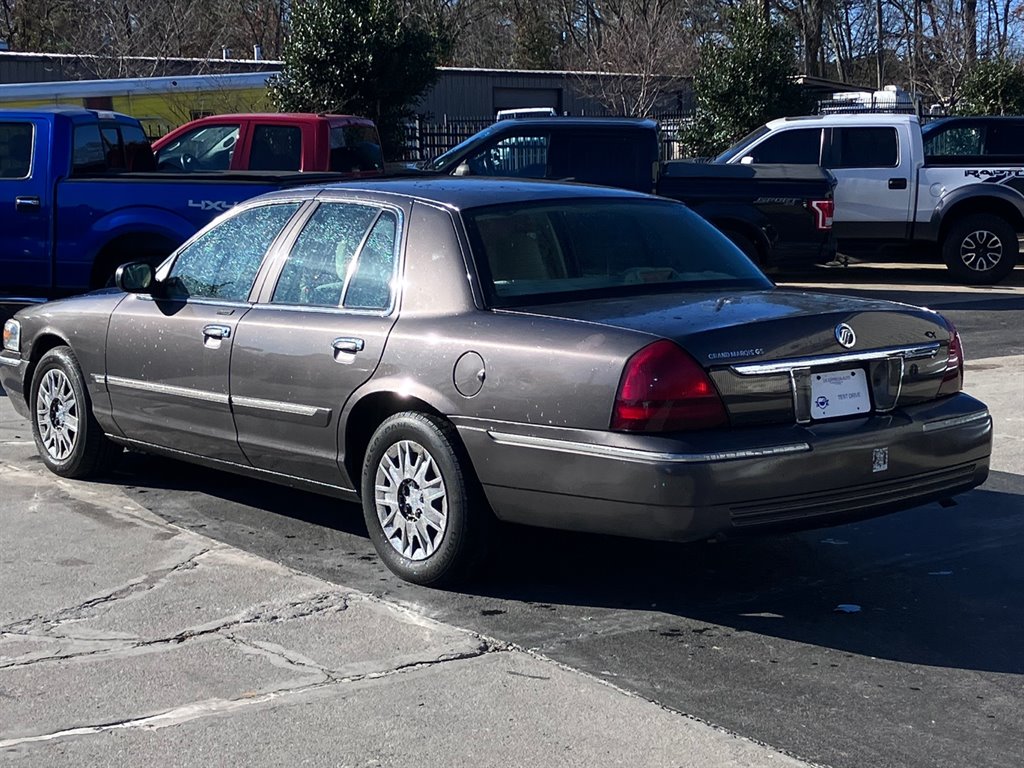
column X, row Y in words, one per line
column 980, row 249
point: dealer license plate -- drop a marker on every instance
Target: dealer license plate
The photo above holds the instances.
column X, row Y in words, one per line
column 839, row 393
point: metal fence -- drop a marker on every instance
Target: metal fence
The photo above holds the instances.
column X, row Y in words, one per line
column 426, row 139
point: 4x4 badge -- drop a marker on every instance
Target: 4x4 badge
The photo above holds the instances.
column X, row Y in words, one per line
column 845, row 335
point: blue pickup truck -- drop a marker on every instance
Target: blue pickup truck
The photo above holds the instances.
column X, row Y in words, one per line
column 79, row 195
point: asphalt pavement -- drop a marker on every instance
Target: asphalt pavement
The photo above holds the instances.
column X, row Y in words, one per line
column 892, row 642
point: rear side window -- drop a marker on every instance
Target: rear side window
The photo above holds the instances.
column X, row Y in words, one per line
column 864, row 148
column 1005, row 138
column 276, row 148
column 801, row 146
column 370, row 286
column 355, row 148
column 15, row 150
column 88, row 155
column 138, row 154
column 113, row 150
column 956, row 141
column 321, row 261
column 223, row 262
column 617, row 160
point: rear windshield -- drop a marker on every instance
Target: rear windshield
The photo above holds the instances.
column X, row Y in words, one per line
column 355, row 148
column 574, row 249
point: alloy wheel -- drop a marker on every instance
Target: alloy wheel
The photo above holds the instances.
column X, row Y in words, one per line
column 411, row 500
column 57, row 414
column 981, row 250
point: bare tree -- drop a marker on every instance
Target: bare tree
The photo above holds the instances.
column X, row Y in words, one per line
column 636, row 51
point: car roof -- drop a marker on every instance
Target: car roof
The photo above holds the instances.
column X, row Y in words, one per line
column 459, row 193
column 576, row 122
column 871, row 118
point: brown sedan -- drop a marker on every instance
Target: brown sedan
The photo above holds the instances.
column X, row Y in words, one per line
column 450, row 350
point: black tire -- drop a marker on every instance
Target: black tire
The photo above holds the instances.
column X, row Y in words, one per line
column 451, row 554
column 76, row 453
column 980, row 249
column 745, row 244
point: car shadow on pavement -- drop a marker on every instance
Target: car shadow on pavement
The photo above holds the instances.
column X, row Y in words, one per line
column 934, row 586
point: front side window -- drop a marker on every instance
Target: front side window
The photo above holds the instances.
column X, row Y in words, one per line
column 223, row 262
column 865, row 148
column 321, row 261
column 276, row 148
column 209, row 148
column 524, row 157
column 15, row 150
column 800, row 146
column 569, row 250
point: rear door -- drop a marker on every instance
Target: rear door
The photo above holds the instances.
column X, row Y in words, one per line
column 168, row 355
column 24, row 206
column 317, row 333
column 873, row 182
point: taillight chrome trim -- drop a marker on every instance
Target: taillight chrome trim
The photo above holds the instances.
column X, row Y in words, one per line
column 636, row 454
column 911, row 352
column 955, row 421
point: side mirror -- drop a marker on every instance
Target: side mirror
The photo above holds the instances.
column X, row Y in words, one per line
column 747, row 160
column 134, row 277
column 462, row 169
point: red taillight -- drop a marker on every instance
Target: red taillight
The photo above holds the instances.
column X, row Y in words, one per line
column 823, row 213
column 953, row 376
column 664, row 389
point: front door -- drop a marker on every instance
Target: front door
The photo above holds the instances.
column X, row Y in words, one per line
column 25, row 265
column 168, row 354
column 318, row 334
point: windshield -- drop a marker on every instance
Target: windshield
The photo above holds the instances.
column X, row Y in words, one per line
column 461, row 148
column 573, row 249
column 739, row 148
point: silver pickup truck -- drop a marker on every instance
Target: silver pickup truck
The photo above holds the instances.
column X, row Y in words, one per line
column 954, row 189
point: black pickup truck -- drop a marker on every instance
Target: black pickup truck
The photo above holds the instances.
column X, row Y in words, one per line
column 779, row 215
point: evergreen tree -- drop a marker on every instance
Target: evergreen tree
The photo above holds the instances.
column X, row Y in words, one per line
column 993, row 87
column 743, row 81
column 357, row 57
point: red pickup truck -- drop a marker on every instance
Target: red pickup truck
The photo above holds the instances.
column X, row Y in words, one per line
column 273, row 142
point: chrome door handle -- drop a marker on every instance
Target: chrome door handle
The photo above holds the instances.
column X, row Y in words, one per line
column 217, row 332
column 348, row 346
column 29, row 203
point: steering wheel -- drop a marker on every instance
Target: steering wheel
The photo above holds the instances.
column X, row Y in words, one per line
column 188, row 162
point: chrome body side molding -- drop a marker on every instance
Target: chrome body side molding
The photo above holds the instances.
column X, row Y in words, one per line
column 637, row 455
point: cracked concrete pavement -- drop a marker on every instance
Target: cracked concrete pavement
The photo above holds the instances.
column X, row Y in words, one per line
column 125, row 640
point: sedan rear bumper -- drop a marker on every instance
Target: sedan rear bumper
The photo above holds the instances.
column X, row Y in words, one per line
column 699, row 485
